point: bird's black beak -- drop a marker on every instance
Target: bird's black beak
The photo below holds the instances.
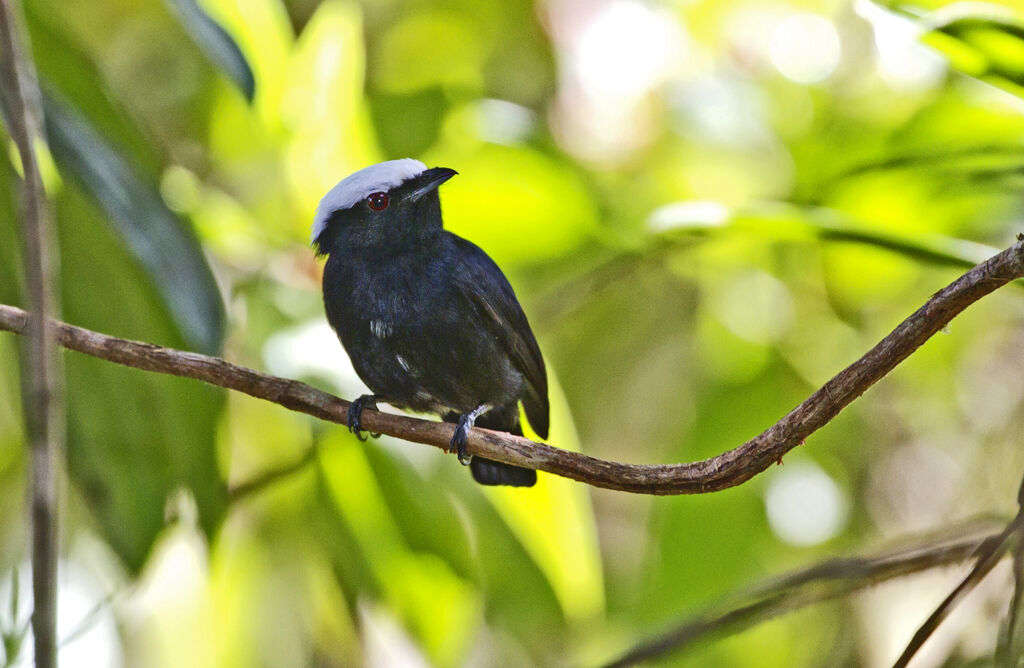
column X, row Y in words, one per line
column 430, row 180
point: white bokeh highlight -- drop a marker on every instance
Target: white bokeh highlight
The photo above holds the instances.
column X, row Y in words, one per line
column 86, row 626
column 804, row 505
column 312, row 349
column 688, row 214
column 904, row 63
column 805, row 48
column 612, row 55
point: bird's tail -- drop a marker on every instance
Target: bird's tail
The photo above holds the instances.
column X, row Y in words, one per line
column 490, row 472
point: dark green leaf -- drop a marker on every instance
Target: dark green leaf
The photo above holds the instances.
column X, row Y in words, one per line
column 216, row 43
column 157, row 238
column 408, row 123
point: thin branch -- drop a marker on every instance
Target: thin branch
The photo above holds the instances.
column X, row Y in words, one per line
column 825, row 581
column 1009, row 650
column 24, row 119
column 262, row 481
column 988, row 556
column 726, row 470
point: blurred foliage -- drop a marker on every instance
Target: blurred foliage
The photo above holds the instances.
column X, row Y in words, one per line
column 707, row 209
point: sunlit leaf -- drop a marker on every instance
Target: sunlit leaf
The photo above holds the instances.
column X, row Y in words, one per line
column 332, row 137
column 439, row 607
column 429, row 48
column 263, row 33
column 986, row 47
column 442, row 511
column 514, row 202
column 555, row 523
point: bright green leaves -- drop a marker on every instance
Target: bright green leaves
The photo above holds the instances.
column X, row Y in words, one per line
column 430, row 48
column 515, row 203
column 757, row 236
column 441, row 558
column 133, row 438
column 554, row 521
column 990, row 48
column 331, row 136
column 440, row 608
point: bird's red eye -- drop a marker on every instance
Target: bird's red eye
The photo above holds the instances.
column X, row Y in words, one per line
column 378, row 201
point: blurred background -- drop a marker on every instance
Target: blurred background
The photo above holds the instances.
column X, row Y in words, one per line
column 707, row 208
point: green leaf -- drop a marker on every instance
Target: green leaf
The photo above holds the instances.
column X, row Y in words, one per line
column 445, row 513
column 408, row 123
column 216, row 43
column 134, row 438
column 66, row 66
column 554, row 521
column 536, row 207
column 161, row 242
column 986, row 47
column 438, row 606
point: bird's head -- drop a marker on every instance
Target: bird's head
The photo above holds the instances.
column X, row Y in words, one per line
column 393, row 202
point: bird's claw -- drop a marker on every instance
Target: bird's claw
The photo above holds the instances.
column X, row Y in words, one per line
column 355, row 412
column 461, row 435
column 459, row 438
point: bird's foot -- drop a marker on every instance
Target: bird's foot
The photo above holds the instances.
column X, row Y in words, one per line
column 355, row 412
column 461, row 435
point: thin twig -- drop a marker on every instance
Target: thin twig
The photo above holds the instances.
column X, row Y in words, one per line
column 24, row 118
column 828, row 580
column 726, row 470
column 988, row 556
column 1014, row 644
column 1009, row 650
column 267, row 478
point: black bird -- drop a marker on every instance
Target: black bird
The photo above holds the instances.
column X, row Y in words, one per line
column 428, row 319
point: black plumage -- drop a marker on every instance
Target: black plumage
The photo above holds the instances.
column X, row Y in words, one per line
column 429, row 320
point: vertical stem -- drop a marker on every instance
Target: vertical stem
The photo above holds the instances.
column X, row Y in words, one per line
column 24, row 119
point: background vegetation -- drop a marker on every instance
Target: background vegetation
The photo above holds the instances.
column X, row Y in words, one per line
column 707, row 209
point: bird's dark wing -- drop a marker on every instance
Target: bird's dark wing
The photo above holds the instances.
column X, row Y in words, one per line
column 482, row 282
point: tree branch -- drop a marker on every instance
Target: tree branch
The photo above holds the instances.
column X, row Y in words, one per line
column 24, row 119
column 821, row 582
column 726, row 470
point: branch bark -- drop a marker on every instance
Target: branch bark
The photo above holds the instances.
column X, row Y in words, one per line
column 726, row 470
column 23, row 112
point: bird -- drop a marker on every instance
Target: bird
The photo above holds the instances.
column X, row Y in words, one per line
column 428, row 319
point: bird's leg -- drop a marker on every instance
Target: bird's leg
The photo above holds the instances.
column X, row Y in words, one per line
column 355, row 412
column 466, row 421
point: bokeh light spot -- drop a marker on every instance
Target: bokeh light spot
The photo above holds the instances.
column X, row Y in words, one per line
column 805, row 48
column 804, row 505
